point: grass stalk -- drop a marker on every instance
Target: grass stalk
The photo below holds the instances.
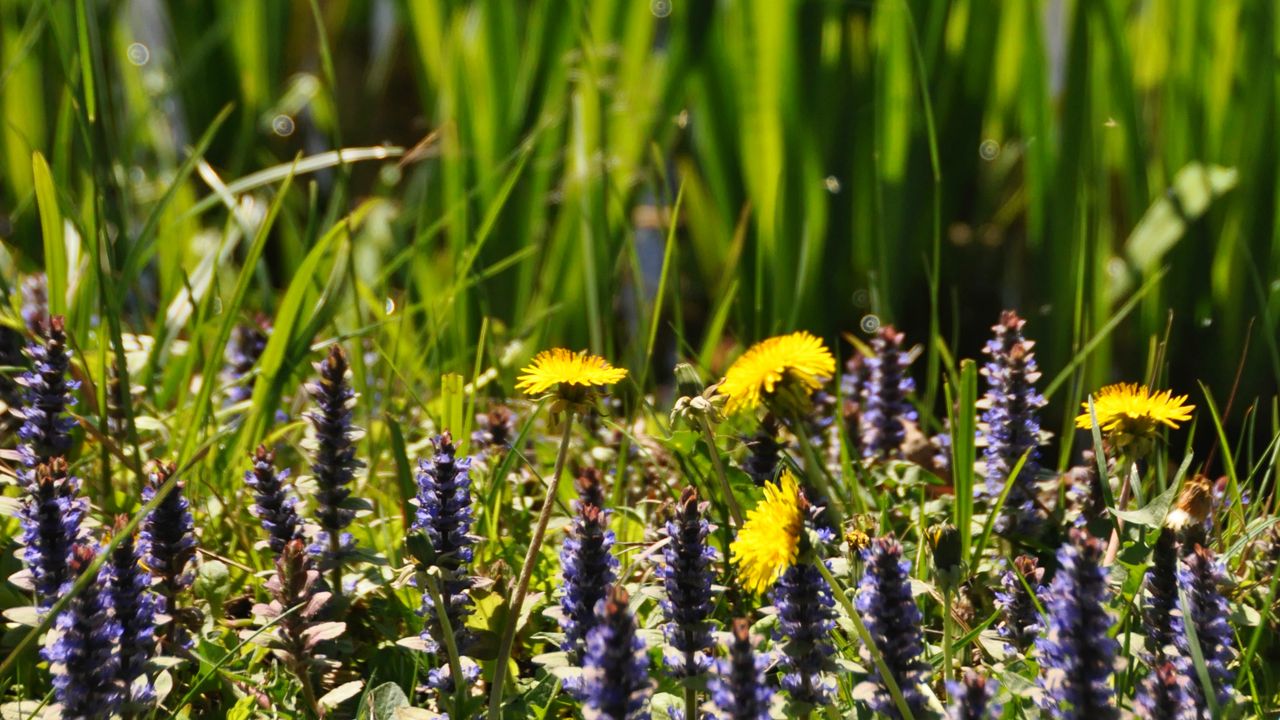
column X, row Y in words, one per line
column 735, row 511
column 526, row 573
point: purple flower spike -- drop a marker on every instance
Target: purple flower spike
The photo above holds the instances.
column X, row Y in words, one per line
column 893, row 619
column 884, row 396
column 1077, row 654
column 46, row 430
column 686, row 579
column 83, row 657
column 50, row 517
column 739, row 689
column 616, row 669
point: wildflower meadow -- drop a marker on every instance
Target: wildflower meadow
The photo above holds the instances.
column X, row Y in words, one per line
column 662, row 360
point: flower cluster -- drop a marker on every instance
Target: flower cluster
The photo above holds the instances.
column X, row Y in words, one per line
column 1011, row 425
column 884, row 404
column 444, row 514
column 973, row 698
column 83, row 656
column 893, row 619
column 1131, row 416
column 495, row 429
column 134, row 606
column 50, row 516
column 334, row 460
column 1019, row 586
column 616, row 670
column 298, row 638
column 1166, row 692
column 272, row 504
column 587, row 566
column 46, row 429
column 739, row 689
column 686, row 579
column 763, row 453
column 168, row 540
column 247, row 344
column 806, row 617
column 1077, row 654
column 11, row 344
column 1201, row 578
column 781, row 372
column 769, row 541
column 1160, row 589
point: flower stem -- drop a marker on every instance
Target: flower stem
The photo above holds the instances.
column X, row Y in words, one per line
column 734, row 509
column 335, row 573
column 817, row 472
column 947, row 669
column 450, row 646
column 526, row 572
column 867, row 641
column 690, row 698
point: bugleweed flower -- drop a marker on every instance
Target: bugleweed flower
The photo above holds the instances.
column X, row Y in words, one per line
column 11, row 344
column 739, row 689
column 83, row 657
column 1076, row 654
column 1201, row 577
column 333, row 462
column 1011, row 425
column 50, row 516
column 444, row 514
column 769, row 541
column 763, row 452
column 46, row 429
column 884, row 396
column 134, row 606
column 1020, row 622
column 806, row 617
column 168, row 541
column 1160, row 589
column 495, row 429
column 35, row 300
column 587, row 566
column 616, row 669
column 686, row 579
column 893, row 619
column 247, row 344
column 1131, row 416
column 272, row 504
column 1166, row 692
column 782, row 371
column 295, row 637
column 973, row 698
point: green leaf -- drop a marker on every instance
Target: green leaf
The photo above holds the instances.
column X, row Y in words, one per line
column 55, row 248
column 382, row 702
column 1153, row 513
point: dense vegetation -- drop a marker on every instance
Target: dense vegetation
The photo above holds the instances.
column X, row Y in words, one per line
column 287, row 429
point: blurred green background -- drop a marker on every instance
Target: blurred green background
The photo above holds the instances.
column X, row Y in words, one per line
column 835, row 164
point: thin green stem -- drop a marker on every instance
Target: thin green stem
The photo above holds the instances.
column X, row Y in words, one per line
column 526, row 572
column 450, row 646
column 817, row 472
column 690, row 694
column 947, row 669
column 335, row 574
column 710, row 436
column 867, row 641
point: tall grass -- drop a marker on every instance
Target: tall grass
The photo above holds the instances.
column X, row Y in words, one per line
column 652, row 180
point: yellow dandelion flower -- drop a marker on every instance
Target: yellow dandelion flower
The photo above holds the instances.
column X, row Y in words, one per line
column 559, row 367
column 769, row 541
column 1129, row 412
column 798, row 361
